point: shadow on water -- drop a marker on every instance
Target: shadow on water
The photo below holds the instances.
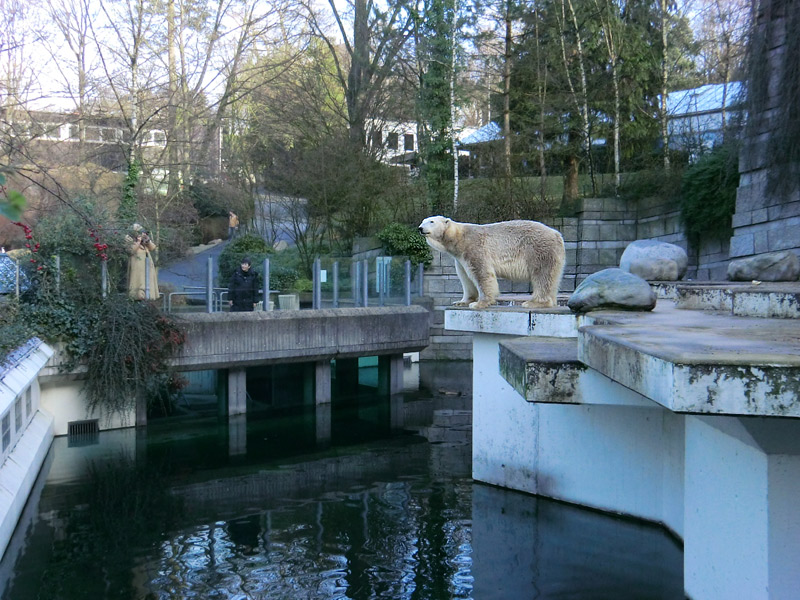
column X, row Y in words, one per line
column 374, row 502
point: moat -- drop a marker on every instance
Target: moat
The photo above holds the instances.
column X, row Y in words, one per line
column 375, row 501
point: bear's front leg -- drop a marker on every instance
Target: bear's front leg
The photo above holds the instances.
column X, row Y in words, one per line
column 488, row 290
column 470, row 291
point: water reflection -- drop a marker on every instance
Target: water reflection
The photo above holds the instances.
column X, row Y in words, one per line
column 339, row 503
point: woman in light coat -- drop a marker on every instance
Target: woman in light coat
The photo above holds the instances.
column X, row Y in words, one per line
column 142, row 275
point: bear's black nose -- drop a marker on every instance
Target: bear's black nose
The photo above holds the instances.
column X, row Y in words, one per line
column 421, row 230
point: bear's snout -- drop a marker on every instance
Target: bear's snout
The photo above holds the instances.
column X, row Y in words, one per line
column 421, row 229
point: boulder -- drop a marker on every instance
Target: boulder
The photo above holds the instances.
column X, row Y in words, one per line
column 654, row 261
column 773, row 266
column 612, row 288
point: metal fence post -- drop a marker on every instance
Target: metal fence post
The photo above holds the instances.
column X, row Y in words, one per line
column 104, row 278
column 57, row 258
column 355, row 281
column 380, row 274
column 146, row 280
column 420, row 269
column 209, row 285
column 336, row 284
column 266, row 285
column 365, row 275
column 408, row 283
column 316, row 301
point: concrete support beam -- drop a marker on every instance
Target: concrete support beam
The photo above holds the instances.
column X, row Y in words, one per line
column 141, row 410
column 322, row 382
column 237, row 391
column 237, row 435
column 322, row 423
column 742, row 522
column 390, row 374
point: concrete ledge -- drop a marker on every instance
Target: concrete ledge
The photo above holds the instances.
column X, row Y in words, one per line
column 222, row 340
column 547, row 322
column 542, row 369
column 694, row 362
column 766, row 300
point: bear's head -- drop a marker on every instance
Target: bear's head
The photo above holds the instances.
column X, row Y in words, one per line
column 434, row 227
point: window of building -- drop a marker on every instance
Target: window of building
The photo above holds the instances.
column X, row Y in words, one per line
column 377, row 138
column 18, row 415
column 408, row 142
column 6, row 431
column 392, row 141
column 28, row 395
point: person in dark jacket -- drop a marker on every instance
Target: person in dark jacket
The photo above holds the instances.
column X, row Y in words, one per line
column 243, row 288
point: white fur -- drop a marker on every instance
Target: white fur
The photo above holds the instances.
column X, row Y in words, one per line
column 515, row 250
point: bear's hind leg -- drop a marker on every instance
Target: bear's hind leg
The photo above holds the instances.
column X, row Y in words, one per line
column 544, row 286
column 470, row 291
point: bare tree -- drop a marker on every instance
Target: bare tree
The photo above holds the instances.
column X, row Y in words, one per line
column 73, row 20
column 370, row 53
column 611, row 24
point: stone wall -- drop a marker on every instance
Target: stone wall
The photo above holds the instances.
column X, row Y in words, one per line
column 765, row 222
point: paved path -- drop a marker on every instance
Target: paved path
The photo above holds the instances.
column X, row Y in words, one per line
column 190, row 271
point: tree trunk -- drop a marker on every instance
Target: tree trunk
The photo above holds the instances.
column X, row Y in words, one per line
column 355, row 81
column 507, row 101
column 453, row 105
column 172, row 112
column 664, row 81
column 571, row 192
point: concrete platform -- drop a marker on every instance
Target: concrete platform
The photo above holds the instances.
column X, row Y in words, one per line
column 699, row 362
column 687, row 418
column 766, row 300
column 543, row 369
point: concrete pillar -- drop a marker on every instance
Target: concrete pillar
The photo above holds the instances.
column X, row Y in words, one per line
column 237, row 391
column 390, row 374
column 237, row 435
column 322, row 382
column 141, row 410
column 742, row 518
column 322, row 422
column 396, row 412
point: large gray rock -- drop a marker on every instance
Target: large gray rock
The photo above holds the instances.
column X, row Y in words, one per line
column 654, row 261
column 773, row 266
column 612, row 288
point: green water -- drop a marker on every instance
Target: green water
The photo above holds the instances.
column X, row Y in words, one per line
column 368, row 498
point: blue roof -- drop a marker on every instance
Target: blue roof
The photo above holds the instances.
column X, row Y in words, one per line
column 707, row 98
column 487, row 133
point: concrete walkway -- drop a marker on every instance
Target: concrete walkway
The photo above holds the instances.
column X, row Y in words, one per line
column 191, row 271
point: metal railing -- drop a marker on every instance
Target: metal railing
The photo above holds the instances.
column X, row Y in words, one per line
column 380, row 281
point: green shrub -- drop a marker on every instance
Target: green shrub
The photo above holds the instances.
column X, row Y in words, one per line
column 213, row 198
column 283, row 278
column 250, row 246
column 708, row 194
column 650, row 183
column 402, row 240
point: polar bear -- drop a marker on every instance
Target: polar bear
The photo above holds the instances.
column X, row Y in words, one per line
column 515, row 250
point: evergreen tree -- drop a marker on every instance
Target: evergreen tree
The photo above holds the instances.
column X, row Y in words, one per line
column 435, row 55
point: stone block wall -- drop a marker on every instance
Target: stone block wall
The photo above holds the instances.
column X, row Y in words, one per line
column 765, row 221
